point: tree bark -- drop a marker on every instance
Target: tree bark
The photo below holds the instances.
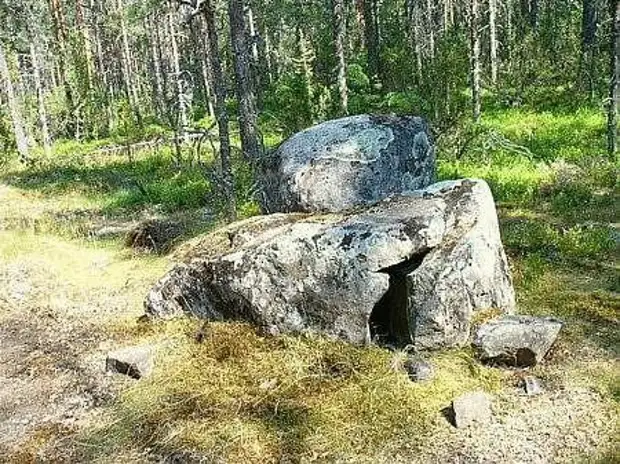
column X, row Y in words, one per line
column 198, row 40
column 493, row 46
column 85, row 44
column 220, row 106
column 128, row 78
column 21, row 136
column 614, row 85
column 475, row 59
column 413, row 14
column 588, row 39
column 243, row 76
column 340, row 38
column 306, row 55
column 178, row 79
column 158, row 82
column 60, row 33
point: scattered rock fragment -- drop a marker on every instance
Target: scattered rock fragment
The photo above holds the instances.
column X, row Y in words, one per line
column 532, row 386
column 134, row 361
column 517, row 340
column 110, row 231
column 419, row 370
column 471, row 408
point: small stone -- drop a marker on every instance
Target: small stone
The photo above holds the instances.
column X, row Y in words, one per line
column 532, row 386
column 517, row 340
column 418, row 370
column 136, row 361
column 471, row 408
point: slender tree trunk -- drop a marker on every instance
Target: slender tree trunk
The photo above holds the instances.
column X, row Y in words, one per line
column 340, row 38
column 220, row 106
column 38, row 84
column 430, row 27
column 614, row 85
column 448, row 15
column 588, row 38
column 413, row 19
column 253, row 34
column 371, row 39
column 510, row 34
column 305, row 54
column 21, row 136
column 269, row 66
column 178, row 79
column 60, row 33
column 86, row 50
column 259, row 56
column 101, row 67
column 198, row 36
column 493, row 48
column 158, row 87
column 128, row 78
column 243, row 73
column 475, row 59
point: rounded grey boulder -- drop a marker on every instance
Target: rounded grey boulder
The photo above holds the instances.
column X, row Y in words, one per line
column 348, row 162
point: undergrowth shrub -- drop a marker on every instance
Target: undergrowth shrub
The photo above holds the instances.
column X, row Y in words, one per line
column 556, row 243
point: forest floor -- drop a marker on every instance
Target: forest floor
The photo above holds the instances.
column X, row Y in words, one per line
column 68, row 295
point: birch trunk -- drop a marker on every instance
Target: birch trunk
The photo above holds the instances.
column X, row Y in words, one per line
column 614, row 85
column 475, row 59
column 493, row 48
column 158, row 89
column 220, row 106
column 340, row 37
column 178, row 79
column 38, row 84
column 128, row 78
column 21, row 136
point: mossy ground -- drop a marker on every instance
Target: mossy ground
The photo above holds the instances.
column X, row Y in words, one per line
column 238, row 396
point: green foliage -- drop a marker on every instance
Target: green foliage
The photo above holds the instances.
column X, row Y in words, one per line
column 533, row 237
column 288, row 104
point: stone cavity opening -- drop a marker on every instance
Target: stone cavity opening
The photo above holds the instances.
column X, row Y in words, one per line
column 389, row 321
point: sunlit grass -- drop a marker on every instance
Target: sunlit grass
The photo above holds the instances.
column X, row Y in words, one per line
column 242, row 397
column 239, row 396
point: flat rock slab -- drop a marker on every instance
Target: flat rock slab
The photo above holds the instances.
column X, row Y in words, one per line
column 517, row 340
column 348, row 162
column 134, row 361
column 409, row 270
column 471, row 409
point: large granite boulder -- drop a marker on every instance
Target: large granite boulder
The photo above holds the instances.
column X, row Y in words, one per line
column 409, row 270
column 348, row 162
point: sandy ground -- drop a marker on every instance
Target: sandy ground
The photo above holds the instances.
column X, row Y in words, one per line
column 53, row 341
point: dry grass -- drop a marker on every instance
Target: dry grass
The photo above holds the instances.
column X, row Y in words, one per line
column 240, row 397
